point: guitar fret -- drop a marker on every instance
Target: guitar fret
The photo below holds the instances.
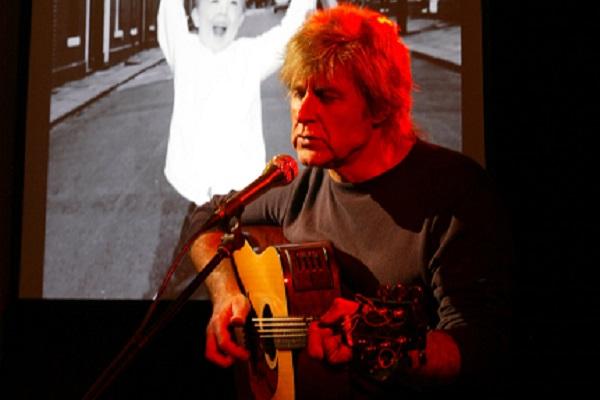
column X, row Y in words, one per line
column 290, row 343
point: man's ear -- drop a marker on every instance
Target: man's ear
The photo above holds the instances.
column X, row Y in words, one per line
column 378, row 118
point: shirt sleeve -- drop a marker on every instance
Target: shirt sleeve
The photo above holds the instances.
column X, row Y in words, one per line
column 268, row 48
column 172, row 28
column 471, row 279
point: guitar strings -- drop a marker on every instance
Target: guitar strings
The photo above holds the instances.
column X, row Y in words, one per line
column 282, row 327
column 301, row 319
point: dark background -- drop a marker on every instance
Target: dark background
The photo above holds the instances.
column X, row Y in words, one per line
column 539, row 75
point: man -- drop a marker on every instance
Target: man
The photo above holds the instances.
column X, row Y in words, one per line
column 396, row 209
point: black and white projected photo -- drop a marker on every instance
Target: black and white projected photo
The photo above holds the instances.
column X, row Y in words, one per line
column 112, row 216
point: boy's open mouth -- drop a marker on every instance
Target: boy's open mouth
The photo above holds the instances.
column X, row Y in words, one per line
column 219, row 30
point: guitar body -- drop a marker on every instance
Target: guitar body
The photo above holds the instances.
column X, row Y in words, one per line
column 285, row 284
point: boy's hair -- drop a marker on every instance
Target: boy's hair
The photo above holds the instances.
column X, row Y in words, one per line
column 367, row 45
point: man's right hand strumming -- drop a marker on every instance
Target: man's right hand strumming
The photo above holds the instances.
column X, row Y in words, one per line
column 221, row 348
column 230, row 306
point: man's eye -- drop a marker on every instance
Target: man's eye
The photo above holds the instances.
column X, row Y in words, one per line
column 298, row 93
column 326, row 97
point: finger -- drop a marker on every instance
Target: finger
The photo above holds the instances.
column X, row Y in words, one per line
column 213, row 354
column 314, row 344
column 226, row 344
column 240, row 307
column 347, row 330
column 335, row 351
column 315, row 340
column 339, row 308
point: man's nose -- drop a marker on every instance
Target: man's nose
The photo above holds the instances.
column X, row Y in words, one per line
column 307, row 108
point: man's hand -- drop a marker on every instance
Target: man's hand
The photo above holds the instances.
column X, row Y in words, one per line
column 230, row 306
column 221, row 349
column 325, row 341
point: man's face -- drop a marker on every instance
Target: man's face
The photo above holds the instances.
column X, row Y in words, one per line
column 218, row 22
column 331, row 125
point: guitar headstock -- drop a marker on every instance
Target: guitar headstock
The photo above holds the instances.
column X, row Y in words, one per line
column 386, row 328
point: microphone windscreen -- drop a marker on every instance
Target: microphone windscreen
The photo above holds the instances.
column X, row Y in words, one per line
column 287, row 165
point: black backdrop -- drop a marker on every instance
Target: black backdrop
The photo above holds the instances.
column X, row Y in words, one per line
column 538, row 79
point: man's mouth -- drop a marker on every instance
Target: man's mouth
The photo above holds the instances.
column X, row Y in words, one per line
column 307, row 140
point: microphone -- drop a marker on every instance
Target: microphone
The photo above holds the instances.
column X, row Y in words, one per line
column 280, row 171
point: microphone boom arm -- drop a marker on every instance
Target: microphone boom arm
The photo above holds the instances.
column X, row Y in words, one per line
column 281, row 170
column 230, row 242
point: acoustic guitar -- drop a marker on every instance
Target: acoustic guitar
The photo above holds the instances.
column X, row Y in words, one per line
column 289, row 285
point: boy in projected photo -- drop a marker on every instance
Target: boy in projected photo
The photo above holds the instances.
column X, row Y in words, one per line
column 216, row 139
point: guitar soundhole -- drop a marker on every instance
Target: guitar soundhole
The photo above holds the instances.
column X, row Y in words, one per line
column 268, row 344
column 262, row 367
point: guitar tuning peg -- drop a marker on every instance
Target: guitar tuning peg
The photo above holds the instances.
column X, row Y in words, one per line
column 399, row 314
column 402, row 340
column 383, row 292
column 399, row 292
column 416, row 293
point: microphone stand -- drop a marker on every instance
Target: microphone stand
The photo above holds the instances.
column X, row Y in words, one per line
column 230, row 242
